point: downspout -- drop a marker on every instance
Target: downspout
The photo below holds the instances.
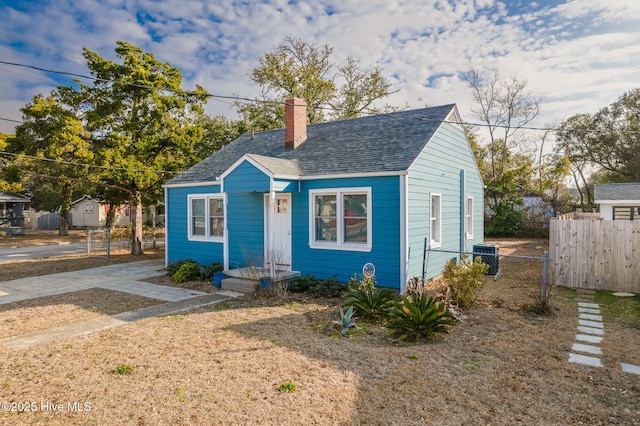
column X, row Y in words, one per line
column 225, row 232
column 272, row 241
column 404, row 232
column 463, row 204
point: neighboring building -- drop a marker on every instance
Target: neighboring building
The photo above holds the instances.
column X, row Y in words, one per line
column 327, row 198
column 12, row 207
column 618, row 201
column 87, row 212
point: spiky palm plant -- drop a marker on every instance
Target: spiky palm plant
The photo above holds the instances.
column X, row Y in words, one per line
column 420, row 316
column 370, row 303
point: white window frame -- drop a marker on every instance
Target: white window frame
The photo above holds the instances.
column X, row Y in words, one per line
column 435, row 242
column 207, row 218
column 468, row 218
column 340, row 243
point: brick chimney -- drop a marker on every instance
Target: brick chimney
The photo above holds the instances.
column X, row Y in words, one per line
column 295, row 122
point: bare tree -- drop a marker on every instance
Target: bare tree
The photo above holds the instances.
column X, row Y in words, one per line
column 505, row 106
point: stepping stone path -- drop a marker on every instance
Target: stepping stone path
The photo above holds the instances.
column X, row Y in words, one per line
column 591, row 332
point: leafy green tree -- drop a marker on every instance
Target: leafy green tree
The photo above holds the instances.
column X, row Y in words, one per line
column 297, row 68
column 608, row 140
column 142, row 123
column 9, row 173
column 217, row 132
column 572, row 139
column 553, row 172
column 55, row 149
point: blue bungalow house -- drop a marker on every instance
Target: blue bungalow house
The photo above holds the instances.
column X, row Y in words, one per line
column 328, row 198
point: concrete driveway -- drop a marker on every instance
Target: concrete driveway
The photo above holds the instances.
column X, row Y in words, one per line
column 41, row 252
column 124, row 277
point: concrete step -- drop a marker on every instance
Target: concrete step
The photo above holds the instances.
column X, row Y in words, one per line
column 241, row 285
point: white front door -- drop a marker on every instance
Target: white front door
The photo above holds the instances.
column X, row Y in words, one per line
column 278, row 236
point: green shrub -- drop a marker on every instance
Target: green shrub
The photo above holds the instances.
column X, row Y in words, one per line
column 330, row 287
column 188, row 271
column 465, row 279
column 302, row 284
column 173, row 267
column 206, row 273
column 370, row 303
column 420, row 316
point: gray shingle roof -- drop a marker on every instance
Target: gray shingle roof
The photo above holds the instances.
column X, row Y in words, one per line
column 616, row 191
column 10, row 197
column 379, row 143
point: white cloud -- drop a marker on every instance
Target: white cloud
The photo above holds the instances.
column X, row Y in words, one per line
column 577, row 56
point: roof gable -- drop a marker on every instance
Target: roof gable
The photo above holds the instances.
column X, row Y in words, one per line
column 380, row 143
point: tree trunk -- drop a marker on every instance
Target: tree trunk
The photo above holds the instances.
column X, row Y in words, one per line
column 65, row 209
column 136, row 223
column 111, row 214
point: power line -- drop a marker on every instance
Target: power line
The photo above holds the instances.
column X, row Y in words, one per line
column 13, row 121
column 237, row 98
column 72, row 163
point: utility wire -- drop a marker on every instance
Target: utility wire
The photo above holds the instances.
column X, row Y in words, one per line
column 72, row 163
column 237, row 99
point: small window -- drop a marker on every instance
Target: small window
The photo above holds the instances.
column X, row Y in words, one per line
column 626, row 213
column 436, row 219
column 469, row 217
column 326, row 218
column 206, row 217
column 341, row 219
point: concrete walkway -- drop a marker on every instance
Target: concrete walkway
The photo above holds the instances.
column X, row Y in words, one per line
column 586, row 350
column 121, row 277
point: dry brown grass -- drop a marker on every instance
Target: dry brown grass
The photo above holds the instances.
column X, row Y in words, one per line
column 223, row 364
column 47, row 312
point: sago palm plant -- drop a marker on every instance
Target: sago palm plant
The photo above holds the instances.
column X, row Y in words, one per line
column 420, row 316
column 370, row 303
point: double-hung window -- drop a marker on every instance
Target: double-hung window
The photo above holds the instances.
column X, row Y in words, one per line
column 206, row 217
column 436, row 220
column 469, row 218
column 341, row 219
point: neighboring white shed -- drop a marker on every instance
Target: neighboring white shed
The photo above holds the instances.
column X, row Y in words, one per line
column 87, row 212
column 618, row 201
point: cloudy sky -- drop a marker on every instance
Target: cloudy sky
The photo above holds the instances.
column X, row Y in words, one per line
column 577, row 56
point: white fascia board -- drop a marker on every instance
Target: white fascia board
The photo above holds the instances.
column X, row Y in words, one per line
column 617, row 202
column 187, row 184
column 251, row 161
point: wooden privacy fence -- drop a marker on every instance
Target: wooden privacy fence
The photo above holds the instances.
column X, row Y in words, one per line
column 597, row 254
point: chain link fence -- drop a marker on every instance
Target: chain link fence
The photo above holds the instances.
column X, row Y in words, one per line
column 100, row 242
column 517, row 282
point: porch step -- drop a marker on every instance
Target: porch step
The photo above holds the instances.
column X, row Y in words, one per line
column 239, row 284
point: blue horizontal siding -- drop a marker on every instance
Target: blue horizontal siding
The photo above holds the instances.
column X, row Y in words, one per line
column 438, row 170
column 385, row 252
column 178, row 245
column 246, row 178
column 245, row 225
